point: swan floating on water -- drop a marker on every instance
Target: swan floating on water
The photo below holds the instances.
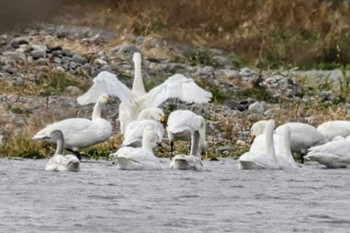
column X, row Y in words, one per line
column 334, row 154
column 265, row 158
column 303, row 136
column 81, row 132
column 147, row 117
column 331, row 129
column 141, row 158
column 181, row 124
column 135, row 100
column 192, row 161
column 59, row 161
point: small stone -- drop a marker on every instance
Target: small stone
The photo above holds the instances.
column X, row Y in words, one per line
column 257, row 107
column 42, row 62
column 15, row 55
column 246, row 72
column 240, row 143
column 224, row 149
column 207, row 70
column 16, row 42
column 100, row 62
column 73, row 65
column 57, row 60
column 36, row 54
column 73, row 91
column 67, row 52
column 79, row 59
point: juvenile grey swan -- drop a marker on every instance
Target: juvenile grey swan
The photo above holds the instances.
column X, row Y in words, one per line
column 59, row 161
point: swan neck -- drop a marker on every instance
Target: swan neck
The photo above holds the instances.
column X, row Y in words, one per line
column 60, row 146
column 202, row 133
column 138, row 85
column 286, row 142
column 195, row 144
column 146, row 145
column 270, row 148
column 97, row 111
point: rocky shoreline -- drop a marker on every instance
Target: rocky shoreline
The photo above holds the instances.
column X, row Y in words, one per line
column 45, row 67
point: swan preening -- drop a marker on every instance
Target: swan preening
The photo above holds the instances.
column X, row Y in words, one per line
column 181, row 124
column 333, row 154
column 59, row 161
column 81, row 132
column 135, row 100
column 192, row 161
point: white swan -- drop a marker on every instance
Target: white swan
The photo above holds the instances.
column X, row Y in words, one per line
column 331, row 129
column 141, row 158
column 334, row 154
column 81, row 132
column 192, row 161
column 59, row 161
column 181, row 124
column 264, row 159
column 303, row 136
column 147, row 117
column 132, row 102
column 285, row 158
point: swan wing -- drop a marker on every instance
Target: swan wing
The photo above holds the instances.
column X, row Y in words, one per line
column 177, row 86
column 109, row 83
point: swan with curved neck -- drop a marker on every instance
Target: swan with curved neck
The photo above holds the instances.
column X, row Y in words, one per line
column 193, row 160
column 285, row 159
column 141, row 158
column 181, row 124
column 81, row 132
column 135, row 100
column 265, row 159
column 149, row 117
column 59, row 161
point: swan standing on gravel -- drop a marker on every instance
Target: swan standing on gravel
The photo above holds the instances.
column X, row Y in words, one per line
column 81, row 132
column 59, row 161
column 303, row 136
column 141, row 158
column 334, row 154
column 135, row 100
column 192, row 161
column 331, row 129
column 264, row 159
column 181, row 124
column 147, row 117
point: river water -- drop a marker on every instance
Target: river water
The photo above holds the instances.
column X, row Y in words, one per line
column 101, row 198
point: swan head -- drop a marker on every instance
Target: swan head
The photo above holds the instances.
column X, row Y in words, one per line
column 56, row 135
column 136, row 58
column 258, row 128
column 103, row 98
column 156, row 114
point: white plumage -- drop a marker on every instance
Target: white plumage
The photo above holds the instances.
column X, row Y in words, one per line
column 141, row 158
column 81, row 132
column 265, row 158
column 149, row 117
column 133, row 102
column 59, row 161
column 331, row 129
column 181, row 124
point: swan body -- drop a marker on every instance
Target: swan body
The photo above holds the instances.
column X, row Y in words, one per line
column 303, row 136
column 181, row 124
column 135, row 100
column 264, row 159
column 81, row 132
column 147, row 117
column 61, row 162
column 192, row 161
column 141, row 158
column 331, row 129
column 334, row 154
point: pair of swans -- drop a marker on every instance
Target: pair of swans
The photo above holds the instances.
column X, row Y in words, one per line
column 181, row 124
column 81, row 132
column 333, row 154
column 303, row 136
column 141, row 158
column 266, row 154
column 192, row 161
column 59, row 161
column 135, row 100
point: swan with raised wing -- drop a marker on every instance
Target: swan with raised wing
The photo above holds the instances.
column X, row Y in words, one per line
column 135, row 100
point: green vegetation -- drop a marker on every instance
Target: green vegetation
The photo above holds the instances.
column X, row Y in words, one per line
column 195, row 56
